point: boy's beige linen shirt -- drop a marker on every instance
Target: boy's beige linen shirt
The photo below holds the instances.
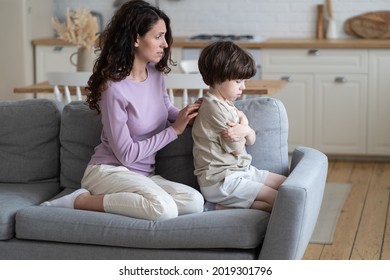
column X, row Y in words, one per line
column 213, row 159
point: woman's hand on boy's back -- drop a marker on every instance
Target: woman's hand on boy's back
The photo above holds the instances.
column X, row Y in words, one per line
column 186, row 116
column 199, row 102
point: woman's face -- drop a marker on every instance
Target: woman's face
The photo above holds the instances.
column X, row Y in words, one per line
column 150, row 47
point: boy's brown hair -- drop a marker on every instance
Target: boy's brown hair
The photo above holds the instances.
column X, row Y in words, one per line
column 225, row 61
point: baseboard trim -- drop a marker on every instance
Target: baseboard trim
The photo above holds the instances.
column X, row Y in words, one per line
column 355, row 157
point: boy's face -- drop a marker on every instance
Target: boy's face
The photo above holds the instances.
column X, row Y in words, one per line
column 230, row 90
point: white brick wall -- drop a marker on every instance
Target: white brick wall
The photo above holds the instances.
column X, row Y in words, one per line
column 265, row 18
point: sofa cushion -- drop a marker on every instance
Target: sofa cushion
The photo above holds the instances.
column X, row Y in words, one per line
column 17, row 196
column 267, row 116
column 80, row 133
column 238, row 228
column 29, row 140
column 175, row 161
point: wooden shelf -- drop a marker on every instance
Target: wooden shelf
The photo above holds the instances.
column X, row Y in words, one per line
column 252, row 87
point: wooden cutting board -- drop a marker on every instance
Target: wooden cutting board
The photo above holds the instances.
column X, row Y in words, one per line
column 372, row 25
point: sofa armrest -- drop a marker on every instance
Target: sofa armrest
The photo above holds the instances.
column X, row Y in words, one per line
column 297, row 206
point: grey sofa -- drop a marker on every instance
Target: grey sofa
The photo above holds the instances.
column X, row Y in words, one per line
column 45, row 148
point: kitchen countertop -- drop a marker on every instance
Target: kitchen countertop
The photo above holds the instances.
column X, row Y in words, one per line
column 50, row 42
column 276, row 43
column 294, row 43
column 326, row 43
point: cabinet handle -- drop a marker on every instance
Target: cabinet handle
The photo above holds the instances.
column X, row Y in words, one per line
column 340, row 79
column 58, row 48
column 287, row 79
column 313, row 52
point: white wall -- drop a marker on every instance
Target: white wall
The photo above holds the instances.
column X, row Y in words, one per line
column 277, row 18
column 266, row 18
column 20, row 22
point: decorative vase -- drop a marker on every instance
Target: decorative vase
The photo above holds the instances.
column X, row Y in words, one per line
column 331, row 32
column 85, row 60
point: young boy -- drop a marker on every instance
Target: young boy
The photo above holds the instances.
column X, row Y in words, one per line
column 220, row 132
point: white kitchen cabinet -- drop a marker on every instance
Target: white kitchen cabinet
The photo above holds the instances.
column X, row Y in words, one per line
column 53, row 58
column 297, row 97
column 325, row 98
column 340, row 113
column 313, row 61
column 379, row 103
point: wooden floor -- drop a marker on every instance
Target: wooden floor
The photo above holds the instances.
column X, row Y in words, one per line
column 363, row 229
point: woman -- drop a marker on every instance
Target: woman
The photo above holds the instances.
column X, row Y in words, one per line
column 127, row 87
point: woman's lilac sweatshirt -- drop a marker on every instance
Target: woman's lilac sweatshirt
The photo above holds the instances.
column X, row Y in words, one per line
column 134, row 118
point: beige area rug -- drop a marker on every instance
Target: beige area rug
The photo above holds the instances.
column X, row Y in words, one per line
column 333, row 201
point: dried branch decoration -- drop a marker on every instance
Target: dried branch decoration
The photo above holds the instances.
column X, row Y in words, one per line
column 80, row 28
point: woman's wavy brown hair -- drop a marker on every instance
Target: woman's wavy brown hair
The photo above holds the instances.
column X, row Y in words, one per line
column 117, row 50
